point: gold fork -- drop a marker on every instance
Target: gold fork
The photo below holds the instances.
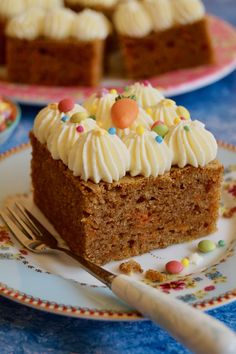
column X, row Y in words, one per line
column 193, row 328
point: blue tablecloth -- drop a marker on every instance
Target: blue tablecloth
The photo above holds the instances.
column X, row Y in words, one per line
column 24, row 330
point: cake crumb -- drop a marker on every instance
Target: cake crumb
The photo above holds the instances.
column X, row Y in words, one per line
column 130, row 266
column 154, row 275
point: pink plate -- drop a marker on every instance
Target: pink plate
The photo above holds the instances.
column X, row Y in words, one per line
column 174, row 83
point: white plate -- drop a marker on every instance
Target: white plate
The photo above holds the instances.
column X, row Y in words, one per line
column 56, row 283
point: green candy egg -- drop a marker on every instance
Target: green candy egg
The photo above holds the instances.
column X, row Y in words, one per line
column 161, row 129
column 206, row 246
column 78, row 117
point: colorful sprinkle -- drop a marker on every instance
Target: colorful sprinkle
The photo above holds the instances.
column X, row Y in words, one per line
column 78, row 117
column 140, row 130
column 186, row 128
column 66, row 105
column 177, row 120
column 146, row 83
column 185, row 262
column 124, row 112
column 112, row 131
column 157, row 122
column 174, row 267
column 113, row 91
column 183, row 112
column 65, row 119
column 149, row 111
column 221, row 243
column 206, row 246
column 80, row 129
column 161, row 129
column 159, row 139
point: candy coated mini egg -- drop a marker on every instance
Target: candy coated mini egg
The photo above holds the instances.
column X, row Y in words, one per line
column 206, row 246
column 174, row 267
column 161, row 129
column 66, row 105
column 124, row 112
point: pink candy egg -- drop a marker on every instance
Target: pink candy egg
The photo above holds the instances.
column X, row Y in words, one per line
column 66, row 105
column 174, row 267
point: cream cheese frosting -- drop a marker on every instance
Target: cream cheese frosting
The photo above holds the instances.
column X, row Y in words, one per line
column 185, row 11
column 191, row 144
column 89, row 25
column 160, row 12
column 138, row 19
column 58, row 23
column 27, row 25
column 165, row 111
column 64, row 135
column 131, row 19
column 10, row 8
column 103, row 3
column 146, row 95
column 148, row 157
column 99, row 156
column 45, row 4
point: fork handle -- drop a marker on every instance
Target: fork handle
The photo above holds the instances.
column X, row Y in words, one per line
column 196, row 330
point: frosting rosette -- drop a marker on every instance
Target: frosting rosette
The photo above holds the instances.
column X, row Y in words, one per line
column 58, row 23
column 99, row 156
column 160, row 12
column 131, row 19
column 64, row 135
column 191, row 144
column 185, row 11
column 169, row 113
column 89, row 25
column 10, row 8
column 45, row 4
column 100, row 105
column 150, row 155
column 145, row 94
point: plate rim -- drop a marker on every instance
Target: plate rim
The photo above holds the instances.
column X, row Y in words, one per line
column 96, row 314
column 170, row 91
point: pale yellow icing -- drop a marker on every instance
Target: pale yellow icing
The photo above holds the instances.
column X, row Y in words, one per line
column 99, row 156
column 10, row 8
column 187, row 11
column 47, row 118
column 90, row 25
column 160, row 12
column 64, row 135
column 28, row 25
column 103, row 3
column 58, row 23
column 100, row 107
column 165, row 111
column 131, row 19
column 148, row 157
column 45, row 4
column 146, row 95
column 191, row 144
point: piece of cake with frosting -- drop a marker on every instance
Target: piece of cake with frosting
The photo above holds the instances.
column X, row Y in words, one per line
column 56, row 47
column 113, row 195
column 11, row 8
column 158, row 36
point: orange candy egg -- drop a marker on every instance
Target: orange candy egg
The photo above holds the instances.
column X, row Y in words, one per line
column 124, row 112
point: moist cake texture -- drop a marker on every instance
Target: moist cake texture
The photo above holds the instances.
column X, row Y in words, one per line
column 117, row 192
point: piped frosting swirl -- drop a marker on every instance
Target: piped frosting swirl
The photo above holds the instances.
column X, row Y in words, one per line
column 191, row 144
column 146, row 95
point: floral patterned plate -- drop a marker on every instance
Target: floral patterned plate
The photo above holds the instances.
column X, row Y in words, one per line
column 172, row 84
column 56, row 283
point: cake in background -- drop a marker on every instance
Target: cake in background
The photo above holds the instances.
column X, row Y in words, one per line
column 113, row 195
column 56, row 47
column 105, row 6
column 158, row 36
column 11, row 8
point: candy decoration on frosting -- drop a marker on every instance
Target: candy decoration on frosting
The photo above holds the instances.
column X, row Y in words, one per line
column 221, row 243
column 206, row 246
column 160, row 129
column 159, row 139
column 177, row 120
column 78, row 117
column 112, row 131
column 113, row 91
column 183, row 112
column 80, row 129
column 140, row 130
column 64, row 119
column 66, row 105
column 124, row 112
column 186, row 128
